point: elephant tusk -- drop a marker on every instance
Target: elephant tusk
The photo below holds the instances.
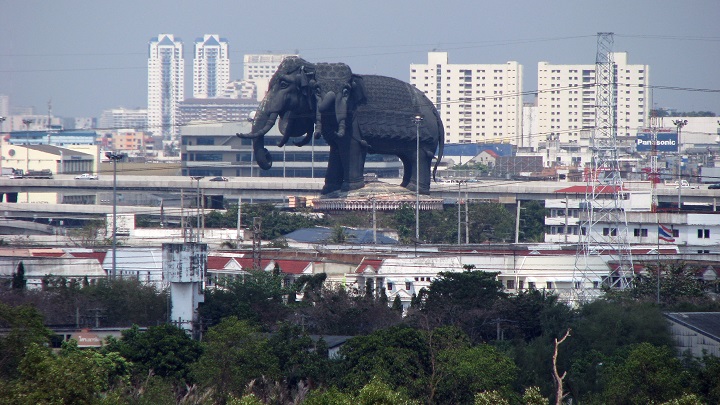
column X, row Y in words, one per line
column 246, row 136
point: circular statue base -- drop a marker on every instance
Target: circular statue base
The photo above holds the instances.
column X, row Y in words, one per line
column 376, row 195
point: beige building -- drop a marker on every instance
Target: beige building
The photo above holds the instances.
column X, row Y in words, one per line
column 478, row 103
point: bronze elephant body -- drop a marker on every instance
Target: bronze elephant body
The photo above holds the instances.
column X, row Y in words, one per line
column 357, row 115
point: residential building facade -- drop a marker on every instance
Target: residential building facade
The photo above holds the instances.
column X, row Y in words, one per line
column 166, row 84
column 478, row 103
column 123, row 118
column 567, row 99
column 259, row 68
column 211, row 66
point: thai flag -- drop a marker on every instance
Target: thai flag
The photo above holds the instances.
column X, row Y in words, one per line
column 665, row 234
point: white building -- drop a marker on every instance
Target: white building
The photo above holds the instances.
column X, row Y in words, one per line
column 567, row 100
column 166, row 84
column 478, row 103
column 259, row 70
column 211, row 66
column 123, row 118
column 564, row 213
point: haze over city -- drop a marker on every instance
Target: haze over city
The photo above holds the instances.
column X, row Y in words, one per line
column 89, row 56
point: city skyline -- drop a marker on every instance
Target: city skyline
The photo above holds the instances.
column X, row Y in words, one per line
column 88, row 62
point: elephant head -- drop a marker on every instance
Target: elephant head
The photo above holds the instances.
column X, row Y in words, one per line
column 332, row 84
column 288, row 97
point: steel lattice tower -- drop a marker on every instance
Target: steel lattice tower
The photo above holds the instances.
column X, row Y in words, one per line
column 605, row 196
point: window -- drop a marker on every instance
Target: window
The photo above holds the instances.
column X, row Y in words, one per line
column 703, row 233
column 408, row 285
column 390, row 286
column 510, row 284
column 642, row 232
column 531, row 285
column 549, row 285
column 676, row 233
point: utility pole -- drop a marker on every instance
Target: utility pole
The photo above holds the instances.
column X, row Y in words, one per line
column 459, row 221
column 197, row 207
column 239, row 222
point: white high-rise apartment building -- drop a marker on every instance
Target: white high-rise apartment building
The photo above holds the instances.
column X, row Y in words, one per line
column 478, row 103
column 259, row 69
column 123, row 118
column 211, row 66
column 166, row 84
column 566, row 99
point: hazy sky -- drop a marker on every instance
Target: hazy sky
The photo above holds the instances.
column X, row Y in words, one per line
column 91, row 55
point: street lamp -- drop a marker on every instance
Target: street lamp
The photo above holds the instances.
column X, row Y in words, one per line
column 679, row 124
column 417, row 119
column 197, row 208
column 27, row 122
column 114, row 156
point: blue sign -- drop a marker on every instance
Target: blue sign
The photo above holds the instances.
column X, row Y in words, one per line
column 666, row 142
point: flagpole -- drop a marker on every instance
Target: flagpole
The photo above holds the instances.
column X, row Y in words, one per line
column 657, row 219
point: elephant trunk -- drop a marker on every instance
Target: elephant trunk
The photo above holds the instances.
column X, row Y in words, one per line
column 262, row 155
column 262, row 123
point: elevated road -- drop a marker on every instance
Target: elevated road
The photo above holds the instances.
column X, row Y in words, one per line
column 278, row 189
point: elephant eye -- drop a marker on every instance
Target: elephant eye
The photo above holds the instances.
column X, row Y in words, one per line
column 284, row 84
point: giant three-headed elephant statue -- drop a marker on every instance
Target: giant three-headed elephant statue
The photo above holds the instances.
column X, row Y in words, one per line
column 357, row 115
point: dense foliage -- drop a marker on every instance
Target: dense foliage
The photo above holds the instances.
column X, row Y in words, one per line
column 491, row 222
column 464, row 341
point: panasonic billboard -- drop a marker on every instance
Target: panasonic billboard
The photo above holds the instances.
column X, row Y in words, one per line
column 667, row 140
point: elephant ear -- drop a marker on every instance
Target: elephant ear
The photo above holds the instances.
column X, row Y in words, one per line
column 292, row 125
column 357, row 93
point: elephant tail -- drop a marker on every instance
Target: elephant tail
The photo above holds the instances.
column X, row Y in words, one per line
column 441, row 142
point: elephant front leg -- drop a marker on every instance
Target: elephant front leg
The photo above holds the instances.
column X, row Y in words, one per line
column 334, row 173
column 355, row 161
column 420, row 176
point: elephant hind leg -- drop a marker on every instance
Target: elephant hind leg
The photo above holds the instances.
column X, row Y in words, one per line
column 407, row 170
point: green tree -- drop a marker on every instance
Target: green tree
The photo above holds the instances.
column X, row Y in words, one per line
column 532, row 222
column 127, row 301
column 678, row 283
column 330, row 396
column 376, row 392
column 18, row 278
column 327, row 313
column 257, row 298
column 474, row 369
column 234, row 353
column 396, row 356
column 645, row 374
column 164, row 350
column 532, row 313
column 491, row 222
column 72, row 376
column 465, row 299
column 298, row 359
column 24, row 327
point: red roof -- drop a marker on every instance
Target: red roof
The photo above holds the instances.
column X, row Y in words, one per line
column 491, row 153
column 48, row 254
column 217, row 262
column 373, row 263
column 292, row 266
column 99, row 256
